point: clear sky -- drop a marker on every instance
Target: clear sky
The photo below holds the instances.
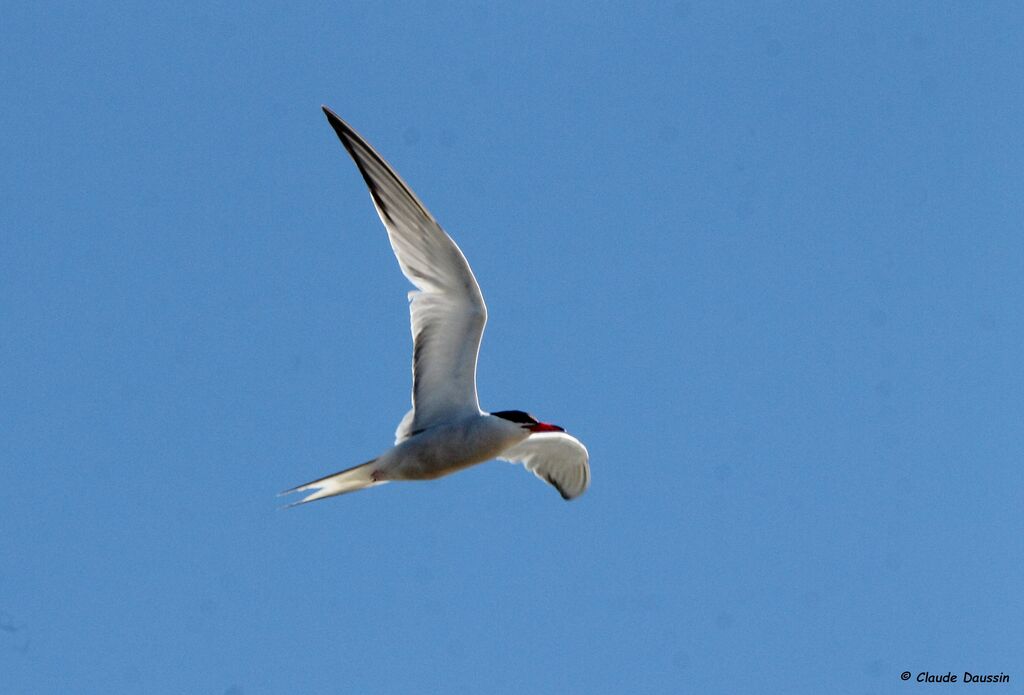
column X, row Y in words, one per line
column 765, row 260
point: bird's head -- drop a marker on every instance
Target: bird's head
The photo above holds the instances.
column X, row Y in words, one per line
column 527, row 421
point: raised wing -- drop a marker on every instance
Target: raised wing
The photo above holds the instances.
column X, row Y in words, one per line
column 447, row 312
column 556, row 458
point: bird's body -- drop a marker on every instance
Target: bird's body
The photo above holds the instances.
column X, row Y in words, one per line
column 446, row 431
column 450, row 447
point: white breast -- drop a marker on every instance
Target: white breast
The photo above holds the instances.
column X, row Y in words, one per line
column 451, row 447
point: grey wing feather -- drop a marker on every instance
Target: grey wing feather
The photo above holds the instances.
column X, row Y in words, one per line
column 556, row 458
column 447, row 310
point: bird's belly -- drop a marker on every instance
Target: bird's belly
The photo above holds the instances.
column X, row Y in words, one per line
column 446, row 452
column 440, row 469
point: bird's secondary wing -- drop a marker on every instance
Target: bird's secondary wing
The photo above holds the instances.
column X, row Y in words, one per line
column 554, row 457
column 447, row 311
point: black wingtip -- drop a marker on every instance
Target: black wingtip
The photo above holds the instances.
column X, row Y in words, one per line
column 565, row 496
column 339, row 125
column 349, row 138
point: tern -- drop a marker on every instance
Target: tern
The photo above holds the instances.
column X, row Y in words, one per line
column 445, row 431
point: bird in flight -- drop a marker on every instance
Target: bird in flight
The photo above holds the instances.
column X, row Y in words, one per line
column 445, row 431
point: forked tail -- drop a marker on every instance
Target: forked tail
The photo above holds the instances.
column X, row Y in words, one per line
column 348, row 480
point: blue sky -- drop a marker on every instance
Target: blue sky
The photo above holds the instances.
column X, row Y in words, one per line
column 764, row 260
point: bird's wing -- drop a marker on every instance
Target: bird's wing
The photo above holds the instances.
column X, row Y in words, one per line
column 556, row 458
column 447, row 310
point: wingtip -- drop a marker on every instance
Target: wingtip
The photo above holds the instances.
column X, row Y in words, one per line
column 344, row 132
column 332, row 117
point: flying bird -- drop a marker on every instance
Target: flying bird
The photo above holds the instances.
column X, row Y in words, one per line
column 445, row 431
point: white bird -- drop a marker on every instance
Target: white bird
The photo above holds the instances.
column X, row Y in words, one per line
column 445, row 431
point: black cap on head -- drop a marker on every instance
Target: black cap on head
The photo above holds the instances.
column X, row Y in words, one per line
column 517, row 416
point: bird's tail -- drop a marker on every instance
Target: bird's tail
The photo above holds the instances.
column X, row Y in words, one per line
column 348, row 480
